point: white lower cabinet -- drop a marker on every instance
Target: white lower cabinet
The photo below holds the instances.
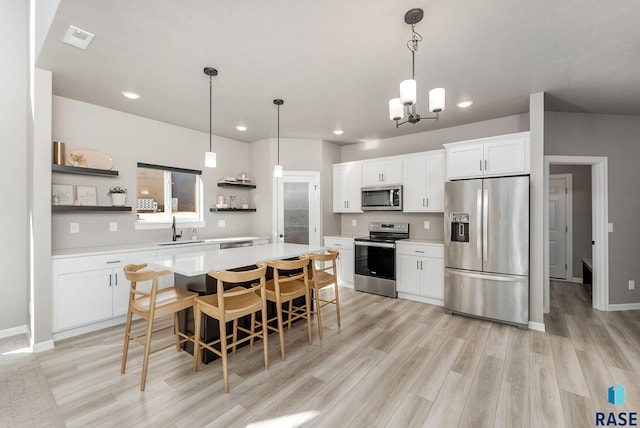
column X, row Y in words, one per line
column 346, row 259
column 420, row 271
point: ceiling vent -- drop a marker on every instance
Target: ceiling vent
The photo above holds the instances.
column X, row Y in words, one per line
column 77, row 37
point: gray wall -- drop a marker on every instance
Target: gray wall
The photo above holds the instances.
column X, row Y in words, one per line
column 129, row 139
column 581, row 209
column 14, row 74
column 617, row 138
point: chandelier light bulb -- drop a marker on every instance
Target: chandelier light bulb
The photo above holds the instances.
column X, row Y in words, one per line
column 408, row 93
column 396, row 110
column 436, row 100
column 277, row 171
column 210, row 160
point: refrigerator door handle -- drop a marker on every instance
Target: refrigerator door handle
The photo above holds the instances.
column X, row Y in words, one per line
column 479, row 224
column 485, row 224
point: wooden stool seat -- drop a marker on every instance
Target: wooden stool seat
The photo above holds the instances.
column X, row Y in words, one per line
column 323, row 274
column 230, row 305
column 284, row 288
column 150, row 305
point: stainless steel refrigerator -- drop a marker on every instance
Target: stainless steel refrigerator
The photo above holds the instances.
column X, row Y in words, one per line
column 487, row 248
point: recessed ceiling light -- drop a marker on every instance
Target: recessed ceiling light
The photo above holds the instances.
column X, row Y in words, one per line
column 77, row 37
column 241, row 128
column 131, row 95
column 464, row 104
column 338, row 131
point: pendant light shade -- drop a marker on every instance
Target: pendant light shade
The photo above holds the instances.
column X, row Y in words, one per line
column 277, row 169
column 210, row 159
column 396, row 110
column 436, row 100
column 210, row 156
column 408, row 92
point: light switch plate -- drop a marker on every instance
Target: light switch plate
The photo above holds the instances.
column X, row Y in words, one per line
column 610, row 227
column 113, row 226
column 74, row 227
column 221, row 223
column 427, row 225
column 354, row 222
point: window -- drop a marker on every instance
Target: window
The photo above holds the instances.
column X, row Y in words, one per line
column 164, row 192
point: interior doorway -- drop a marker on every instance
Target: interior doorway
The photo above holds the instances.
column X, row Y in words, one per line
column 298, row 208
column 599, row 226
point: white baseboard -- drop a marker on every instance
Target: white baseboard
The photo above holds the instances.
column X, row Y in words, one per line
column 623, row 306
column 415, row 298
column 14, row 331
column 537, row 326
column 89, row 328
column 43, row 346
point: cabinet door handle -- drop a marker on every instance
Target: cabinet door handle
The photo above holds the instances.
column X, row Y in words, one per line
column 109, row 280
column 419, row 251
column 113, row 261
column 427, row 202
column 485, row 164
column 420, row 264
column 417, row 264
column 423, row 202
column 116, row 279
column 480, row 164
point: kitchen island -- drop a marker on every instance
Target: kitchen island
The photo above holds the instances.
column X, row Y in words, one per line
column 190, row 271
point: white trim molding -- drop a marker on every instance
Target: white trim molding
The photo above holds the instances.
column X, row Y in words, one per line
column 537, row 326
column 43, row 346
column 599, row 226
column 623, row 306
column 14, row 331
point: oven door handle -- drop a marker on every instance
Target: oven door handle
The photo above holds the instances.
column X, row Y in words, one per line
column 375, row 244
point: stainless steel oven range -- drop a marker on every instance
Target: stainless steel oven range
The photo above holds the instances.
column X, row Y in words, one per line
column 375, row 258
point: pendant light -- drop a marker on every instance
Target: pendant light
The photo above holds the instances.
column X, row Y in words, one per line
column 210, row 156
column 277, row 169
column 406, row 104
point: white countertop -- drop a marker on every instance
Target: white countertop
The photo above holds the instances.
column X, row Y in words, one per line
column 200, row 262
column 343, row 236
column 420, row 241
column 114, row 249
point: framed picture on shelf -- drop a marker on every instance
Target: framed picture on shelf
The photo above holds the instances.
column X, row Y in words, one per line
column 62, row 194
column 87, row 195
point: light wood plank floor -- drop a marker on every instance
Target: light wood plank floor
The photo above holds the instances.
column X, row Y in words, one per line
column 394, row 363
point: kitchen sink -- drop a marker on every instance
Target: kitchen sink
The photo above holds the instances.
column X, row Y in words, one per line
column 179, row 243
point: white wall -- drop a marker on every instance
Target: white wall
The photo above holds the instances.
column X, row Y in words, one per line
column 14, row 122
column 129, row 139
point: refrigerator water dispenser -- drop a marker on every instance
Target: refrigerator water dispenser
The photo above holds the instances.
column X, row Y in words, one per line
column 459, row 227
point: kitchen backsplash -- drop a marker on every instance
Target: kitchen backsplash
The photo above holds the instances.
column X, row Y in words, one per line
column 415, row 220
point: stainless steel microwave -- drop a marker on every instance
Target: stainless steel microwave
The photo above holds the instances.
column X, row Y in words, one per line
column 382, row 198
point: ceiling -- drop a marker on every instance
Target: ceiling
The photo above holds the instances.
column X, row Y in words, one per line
column 337, row 63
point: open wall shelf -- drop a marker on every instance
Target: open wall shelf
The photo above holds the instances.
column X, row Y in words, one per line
column 86, row 208
column 67, row 169
column 237, row 185
column 232, row 210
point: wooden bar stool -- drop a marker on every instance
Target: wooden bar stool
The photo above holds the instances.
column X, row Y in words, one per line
column 284, row 288
column 324, row 273
column 229, row 305
column 151, row 305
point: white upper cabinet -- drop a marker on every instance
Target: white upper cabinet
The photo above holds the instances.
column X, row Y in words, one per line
column 423, row 184
column 347, row 182
column 493, row 156
column 382, row 172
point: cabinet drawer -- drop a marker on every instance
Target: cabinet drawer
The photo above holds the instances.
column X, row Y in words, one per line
column 338, row 243
column 424, row 250
column 88, row 263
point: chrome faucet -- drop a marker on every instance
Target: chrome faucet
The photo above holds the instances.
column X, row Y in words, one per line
column 173, row 227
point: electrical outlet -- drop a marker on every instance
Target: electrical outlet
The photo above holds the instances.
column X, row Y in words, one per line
column 74, row 227
column 610, row 227
column 632, row 284
column 354, row 222
column 221, row 223
column 113, row 226
column 427, row 225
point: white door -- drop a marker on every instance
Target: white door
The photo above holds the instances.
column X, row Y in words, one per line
column 298, row 207
column 557, row 227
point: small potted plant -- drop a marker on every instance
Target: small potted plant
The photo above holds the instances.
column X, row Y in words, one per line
column 118, row 196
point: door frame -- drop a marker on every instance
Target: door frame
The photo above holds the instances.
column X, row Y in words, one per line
column 568, row 221
column 599, row 226
column 317, row 213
